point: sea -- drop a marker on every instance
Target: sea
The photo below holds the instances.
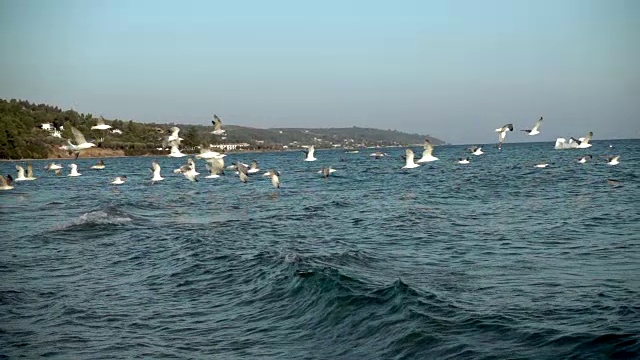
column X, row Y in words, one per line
column 496, row 259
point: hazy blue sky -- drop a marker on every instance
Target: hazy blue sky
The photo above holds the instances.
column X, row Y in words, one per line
column 452, row 69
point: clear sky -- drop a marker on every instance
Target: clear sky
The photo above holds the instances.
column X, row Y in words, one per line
column 452, row 69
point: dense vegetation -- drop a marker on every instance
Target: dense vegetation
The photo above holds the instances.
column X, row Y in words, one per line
column 21, row 135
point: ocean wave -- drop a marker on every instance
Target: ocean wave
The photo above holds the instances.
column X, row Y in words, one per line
column 94, row 218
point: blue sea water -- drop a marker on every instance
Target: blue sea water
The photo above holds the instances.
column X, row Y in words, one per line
column 495, row 259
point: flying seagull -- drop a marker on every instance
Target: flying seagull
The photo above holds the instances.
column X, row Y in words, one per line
column 21, row 174
column 427, row 153
column 175, row 152
column 74, row 170
column 215, row 167
column 100, row 125
column 217, row 126
column 408, row 157
column 275, row 178
column 584, row 142
column 309, row 153
column 584, row 159
column 155, row 167
column 81, row 142
column 5, row 183
column 99, row 165
column 502, row 133
column 253, row 168
column 242, row 172
column 611, row 160
column 536, row 128
column 476, row 150
column 53, row 166
column 326, row 171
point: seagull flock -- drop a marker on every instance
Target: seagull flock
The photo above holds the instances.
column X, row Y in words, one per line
column 215, row 163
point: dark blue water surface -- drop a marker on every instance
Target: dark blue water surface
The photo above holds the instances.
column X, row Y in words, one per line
column 495, row 259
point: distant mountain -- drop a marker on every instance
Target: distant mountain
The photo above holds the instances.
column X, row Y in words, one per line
column 22, row 135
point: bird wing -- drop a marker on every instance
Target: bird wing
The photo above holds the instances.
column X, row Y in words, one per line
column 537, row 125
column 78, row 136
column 409, row 155
column 3, row 181
column 428, row 148
column 29, row 170
column 100, row 121
column 217, row 123
column 588, row 137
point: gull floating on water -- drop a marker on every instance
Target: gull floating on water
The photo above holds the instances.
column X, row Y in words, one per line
column 542, row 165
column 155, row 167
column 584, row 159
column 378, row 154
column 309, row 153
column 21, row 173
column 5, row 183
column 427, row 153
column 100, row 125
column 463, row 161
column 536, row 128
column 217, row 125
column 408, row 157
column 99, row 165
column 476, row 150
column 611, row 160
column 74, row 170
column 119, row 180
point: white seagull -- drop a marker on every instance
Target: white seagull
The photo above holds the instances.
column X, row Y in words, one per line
column 536, row 128
column 215, row 167
column 21, row 175
column 81, row 143
column 242, row 172
column 175, row 152
column 53, row 166
column 408, row 157
column 584, row 159
column 584, row 142
column 119, row 180
column 542, row 165
column 427, row 153
column 326, row 171
column 275, row 178
column 208, row 154
column 611, row 160
column 74, row 170
column 502, row 133
column 309, row 151
column 5, row 183
column 100, row 125
column 463, row 161
column 476, row 150
column 155, row 167
column 189, row 170
column 99, row 165
column 253, row 168
column 217, row 126
column 174, row 135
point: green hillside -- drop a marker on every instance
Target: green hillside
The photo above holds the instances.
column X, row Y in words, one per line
column 21, row 135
